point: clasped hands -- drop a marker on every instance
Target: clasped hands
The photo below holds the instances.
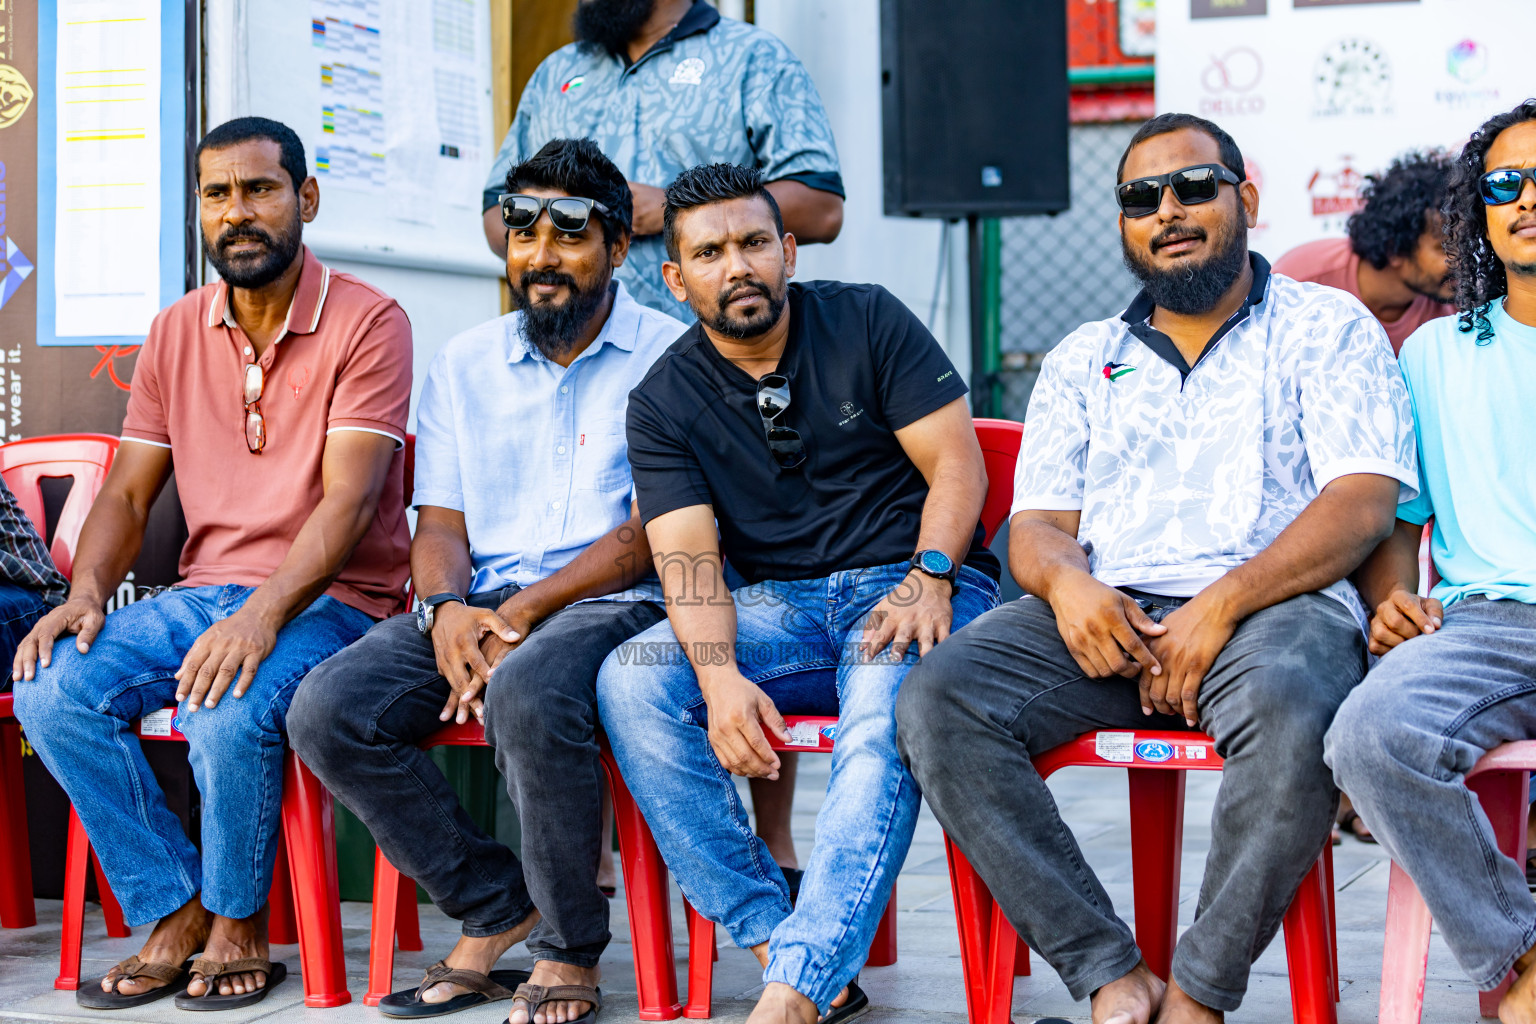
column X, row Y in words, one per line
column 470, row 643
column 1108, row 634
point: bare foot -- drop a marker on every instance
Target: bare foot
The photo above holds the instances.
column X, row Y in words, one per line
column 550, row 973
column 1130, row 999
column 176, row 937
column 780, row 1004
column 1519, row 1004
column 1179, row 1007
column 235, row 939
column 478, row 954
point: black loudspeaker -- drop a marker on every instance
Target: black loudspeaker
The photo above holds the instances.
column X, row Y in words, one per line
column 974, row 103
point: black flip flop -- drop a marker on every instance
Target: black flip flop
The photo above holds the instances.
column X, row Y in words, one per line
column 1052, row 1020
column 536, row 996
column 483, row 988
column 212, row 969
column 91, row 996
column 856, row 1006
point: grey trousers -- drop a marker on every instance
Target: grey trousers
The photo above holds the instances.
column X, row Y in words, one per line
column 981, row 704
column 1400, row 747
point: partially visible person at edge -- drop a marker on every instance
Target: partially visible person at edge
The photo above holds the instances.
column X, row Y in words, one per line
column 815, row 441
column 30, row 583
column 1197, row 477
column 1393, row 259
column 662, row 86
column 281, row 393
column 1459, row 673
column 526, row 557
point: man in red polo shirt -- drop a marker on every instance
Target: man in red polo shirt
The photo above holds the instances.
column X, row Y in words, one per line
column 280, row 393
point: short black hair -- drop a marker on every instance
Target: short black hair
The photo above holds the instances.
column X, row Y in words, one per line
column 1398, row 205
column 713, row 183
column 578, row 167
column 1163, row 124
column 244, row 129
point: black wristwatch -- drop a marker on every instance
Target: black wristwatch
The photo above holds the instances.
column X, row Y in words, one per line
column 937, row 564
column 428, row 610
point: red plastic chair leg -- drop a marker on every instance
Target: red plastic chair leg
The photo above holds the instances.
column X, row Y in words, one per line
column 974, row 908
column 1157, row 835
column 702, row 953
column 1020, row 959
column 1505, row 797
column 387, row 887
column 882, row 950
column 16, row 907
column 1405, row 958
column 77, row 852
column 646, row 894
column 407, row 918
column 281, row 925
column 1307, row 953
column 311, row 838
column 1002, row 968
column 1333, row 916
column 117, row 928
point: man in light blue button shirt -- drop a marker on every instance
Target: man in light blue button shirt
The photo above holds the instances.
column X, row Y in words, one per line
column 665, row 86
column 531, row 570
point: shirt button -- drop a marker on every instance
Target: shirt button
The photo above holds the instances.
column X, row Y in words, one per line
column 555, row 505
column 247, row 350
column 560, row 450
column 565, row 388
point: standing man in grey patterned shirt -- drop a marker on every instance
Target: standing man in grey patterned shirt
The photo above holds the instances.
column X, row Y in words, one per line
column 1198, row 477
column 30, row 583
column 665, row 85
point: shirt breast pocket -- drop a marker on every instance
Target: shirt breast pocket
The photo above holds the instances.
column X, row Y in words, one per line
column 602, row 458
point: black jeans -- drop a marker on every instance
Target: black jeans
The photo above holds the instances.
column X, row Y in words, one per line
column 1004, row 689
column 358, row 716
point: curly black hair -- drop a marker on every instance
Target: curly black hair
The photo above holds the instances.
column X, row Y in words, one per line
column 1397, row 205
column 1480, row 277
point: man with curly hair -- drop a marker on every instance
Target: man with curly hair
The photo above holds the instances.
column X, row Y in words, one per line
column 1459, row 673
column 1394, row 258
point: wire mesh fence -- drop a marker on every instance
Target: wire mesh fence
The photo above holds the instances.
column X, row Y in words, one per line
column 1059, row 272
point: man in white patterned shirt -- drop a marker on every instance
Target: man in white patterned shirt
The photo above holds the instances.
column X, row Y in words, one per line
column 1197, row 478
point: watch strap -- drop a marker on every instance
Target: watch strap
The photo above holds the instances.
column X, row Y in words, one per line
column 443, row 598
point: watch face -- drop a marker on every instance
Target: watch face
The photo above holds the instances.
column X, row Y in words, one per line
column 424, row 618
column 935, row 562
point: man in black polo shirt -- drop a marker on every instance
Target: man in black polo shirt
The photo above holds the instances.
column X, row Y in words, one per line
column 816, row 437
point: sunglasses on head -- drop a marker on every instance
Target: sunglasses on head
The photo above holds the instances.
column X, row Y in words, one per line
column 1500, row 187
column 566, row 213
column 772, row 401
column 1191, row 185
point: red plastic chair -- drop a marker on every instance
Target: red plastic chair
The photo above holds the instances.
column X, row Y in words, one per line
column 305, row 901
column 991, row 953
column 1501, row 779
column 24, row 465
column 1000, row 441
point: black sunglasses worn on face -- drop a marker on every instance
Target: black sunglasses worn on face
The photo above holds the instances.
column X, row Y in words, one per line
column 772, row 401
column 566, row 213
column 1191, row 185
column 1500, row 187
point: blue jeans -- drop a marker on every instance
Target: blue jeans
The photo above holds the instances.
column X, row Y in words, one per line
column 1401, row 747
column 20, row 608
column 77, row 712
column 798, row 641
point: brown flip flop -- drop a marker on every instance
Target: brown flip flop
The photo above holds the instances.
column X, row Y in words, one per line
column 483, row 988
column 175, row 976
column 537, row 995
column 211, row 970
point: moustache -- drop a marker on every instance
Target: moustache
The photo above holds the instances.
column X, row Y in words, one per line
column 551, row 277
column 746, row 287
column 1521, row 223
column 251, row 234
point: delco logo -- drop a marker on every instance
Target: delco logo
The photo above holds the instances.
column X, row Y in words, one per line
column 1155, row 751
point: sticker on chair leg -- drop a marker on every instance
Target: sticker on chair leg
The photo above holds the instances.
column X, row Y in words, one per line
column 157, row 723
column 1155, row 751
column 804, row 734
column 1115, row 746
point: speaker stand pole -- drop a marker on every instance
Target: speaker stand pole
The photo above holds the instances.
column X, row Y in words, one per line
column 984, row 262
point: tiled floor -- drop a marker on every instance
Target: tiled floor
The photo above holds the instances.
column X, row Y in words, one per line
column 924, row 986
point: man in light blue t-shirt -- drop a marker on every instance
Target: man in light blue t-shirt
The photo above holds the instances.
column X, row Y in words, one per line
column 1459, row 673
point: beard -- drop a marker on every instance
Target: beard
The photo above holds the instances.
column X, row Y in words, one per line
column 738, row 326
column 551, row 328
column 610, row 24
column 254, row 268
column 1190, row 287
